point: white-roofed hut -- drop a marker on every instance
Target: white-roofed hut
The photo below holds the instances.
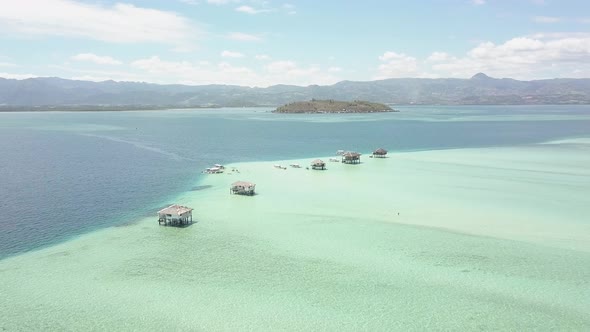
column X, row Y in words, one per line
column 318, row 164
column 380, row 153
column 242, row 188
column 175, row 215
column 351, row 158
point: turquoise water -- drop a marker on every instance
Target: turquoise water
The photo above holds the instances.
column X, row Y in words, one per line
column 64, row 174
column 478, row 220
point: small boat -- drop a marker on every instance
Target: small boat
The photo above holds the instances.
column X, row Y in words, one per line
column 295, row 165
column 279, row 166
column 214, row 170
column 340, row 152
column 334, row 160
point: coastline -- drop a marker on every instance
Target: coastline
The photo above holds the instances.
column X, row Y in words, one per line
column 330, row 247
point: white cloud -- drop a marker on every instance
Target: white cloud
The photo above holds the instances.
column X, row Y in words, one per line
column 289, row 72
column 262, row 57
column 546, row 19
column 537, row 56
column 7, row 64
column 559, row 35
column 289, row 8
column 92, row 74
column 227, row 68
column 157, row 70
column 155, row 65
column 118, row 23
column 531, row 57
column 94, row 78
column 264, row 7
column 221, row 2
column 154, row 69
column 17, row 76
column 439, row 57
column 101, row 60
column 251, row 10
column 281, row 66
column 240, row 36
column 396, row 65
column 478, row 2
column 334, row 69
column 230, row 54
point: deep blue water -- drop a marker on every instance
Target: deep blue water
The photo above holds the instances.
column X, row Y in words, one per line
column 63, row 174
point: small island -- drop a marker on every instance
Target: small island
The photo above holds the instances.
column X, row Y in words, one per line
column 333, row 106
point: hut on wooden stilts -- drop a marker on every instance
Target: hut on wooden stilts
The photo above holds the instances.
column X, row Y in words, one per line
column 351, row 157
column 380, row 153
column 175, row 215
column 318, row 164
column 242, row 188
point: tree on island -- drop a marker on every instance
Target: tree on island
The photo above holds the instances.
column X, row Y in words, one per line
column 333, row 106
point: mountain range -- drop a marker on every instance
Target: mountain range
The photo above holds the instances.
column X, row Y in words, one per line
column 50, row 92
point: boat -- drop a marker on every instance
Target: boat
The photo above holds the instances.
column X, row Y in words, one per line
column 279, row 166
column 214, row 170
column 340, row 152
column 295, row 165
column 334, row 160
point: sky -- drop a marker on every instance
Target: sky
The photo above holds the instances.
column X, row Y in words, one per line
column 267, row 42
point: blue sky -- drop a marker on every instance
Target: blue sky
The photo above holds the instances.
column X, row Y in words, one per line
column 266, row 42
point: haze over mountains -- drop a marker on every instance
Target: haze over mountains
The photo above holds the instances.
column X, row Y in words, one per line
column 480, row 89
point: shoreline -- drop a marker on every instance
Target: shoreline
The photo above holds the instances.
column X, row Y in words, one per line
column 51, row 109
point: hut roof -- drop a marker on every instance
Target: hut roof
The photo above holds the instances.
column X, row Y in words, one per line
column 318, row 162
column 351, row 154
column 243, row 184
column 380, row 151
column 175, row 209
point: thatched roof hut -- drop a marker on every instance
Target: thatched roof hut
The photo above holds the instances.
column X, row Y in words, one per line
column 175, row 215
column 243, row 188
column 380, row 153
column 351, row 157
column 318, row 164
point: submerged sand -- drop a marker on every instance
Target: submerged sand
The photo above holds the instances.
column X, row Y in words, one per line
column 467, row 239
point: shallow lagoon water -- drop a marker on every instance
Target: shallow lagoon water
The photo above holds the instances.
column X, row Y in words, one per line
column 494, row 238
column 327, row 250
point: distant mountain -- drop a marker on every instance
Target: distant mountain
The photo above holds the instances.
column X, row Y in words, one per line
column 49, row 92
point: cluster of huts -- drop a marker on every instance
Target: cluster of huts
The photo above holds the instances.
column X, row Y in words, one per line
column 177, row 215
column 348, row 157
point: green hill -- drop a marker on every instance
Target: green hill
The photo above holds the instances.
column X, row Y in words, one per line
column 333, row 106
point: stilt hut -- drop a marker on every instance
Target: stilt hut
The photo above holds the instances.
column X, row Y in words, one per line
column 380, row 153
column 351, row 157
column 242, row 188
column 175, row 215
column 318, row 164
